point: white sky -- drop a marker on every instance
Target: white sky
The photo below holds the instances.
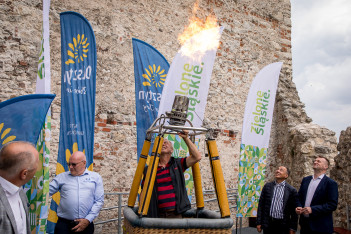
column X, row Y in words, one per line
column 321, row 52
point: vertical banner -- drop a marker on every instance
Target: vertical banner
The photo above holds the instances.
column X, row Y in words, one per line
column 78, row 67
column 21, row 118
column 43, row 74
column 255, row 138
column 150, row 71
column 38, row 188
column 190, row 75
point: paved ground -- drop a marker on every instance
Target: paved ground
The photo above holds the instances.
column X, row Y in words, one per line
column 247, row 230
column 250, row 230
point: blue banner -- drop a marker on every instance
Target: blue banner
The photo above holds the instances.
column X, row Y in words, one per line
column 150, row 71
column 78, row 78
column 21, row 118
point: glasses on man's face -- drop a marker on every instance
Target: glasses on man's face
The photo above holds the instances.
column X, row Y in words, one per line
column 74, row 164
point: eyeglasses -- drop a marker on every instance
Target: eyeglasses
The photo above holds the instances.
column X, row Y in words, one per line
column 74, row 164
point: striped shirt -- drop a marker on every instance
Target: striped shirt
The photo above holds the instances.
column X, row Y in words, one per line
column 165, row 190
column 277, row 201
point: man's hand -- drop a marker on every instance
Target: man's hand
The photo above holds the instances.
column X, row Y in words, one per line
column 81, row 226
column 259, row 229
column 298, row 210
column 195, row 155
column 184, row 134
column 307, row 210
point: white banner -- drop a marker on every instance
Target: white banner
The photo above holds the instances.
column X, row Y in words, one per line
column 38, row 212
column 43, row 75
column 259, row 106
column 255, row 138
column 190, row 75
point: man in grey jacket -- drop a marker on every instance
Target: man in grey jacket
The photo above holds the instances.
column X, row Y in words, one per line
column 18, row 164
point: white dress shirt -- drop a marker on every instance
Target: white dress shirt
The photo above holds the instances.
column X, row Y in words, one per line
column 12, row 194
column 311, row 190
column 81, row 196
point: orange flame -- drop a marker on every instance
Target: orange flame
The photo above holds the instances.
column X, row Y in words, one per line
column 199, row 36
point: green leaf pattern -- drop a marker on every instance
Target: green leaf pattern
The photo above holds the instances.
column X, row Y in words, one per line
column 38, row 188
column 252, row 169
column 41, row 64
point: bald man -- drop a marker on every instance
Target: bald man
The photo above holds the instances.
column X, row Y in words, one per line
column 82, row 197
column 19, row 162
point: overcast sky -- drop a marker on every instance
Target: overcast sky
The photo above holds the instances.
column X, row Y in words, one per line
column 321, row 51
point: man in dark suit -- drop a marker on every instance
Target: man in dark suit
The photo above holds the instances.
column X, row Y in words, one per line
column 318, row 198
column 18, row 163
column 276, row 208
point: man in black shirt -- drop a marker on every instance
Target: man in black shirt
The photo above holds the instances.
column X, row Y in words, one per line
column 276, row 208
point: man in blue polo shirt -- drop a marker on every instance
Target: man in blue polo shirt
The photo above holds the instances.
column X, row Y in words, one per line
column 82, row 196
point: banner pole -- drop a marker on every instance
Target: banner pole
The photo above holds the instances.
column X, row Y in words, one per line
column 199, row 196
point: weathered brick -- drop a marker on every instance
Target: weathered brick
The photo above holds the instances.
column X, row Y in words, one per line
column 101, row 124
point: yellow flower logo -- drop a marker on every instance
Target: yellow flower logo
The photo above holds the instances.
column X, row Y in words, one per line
column 155, row 76
column 4, row 138
column 60, row 168
column 78, row 50
column 74, row 149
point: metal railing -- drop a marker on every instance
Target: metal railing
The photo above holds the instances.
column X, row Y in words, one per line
column 231, row 193
column 119, row 207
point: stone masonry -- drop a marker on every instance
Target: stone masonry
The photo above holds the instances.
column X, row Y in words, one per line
column 256, row 34
column 342, row 175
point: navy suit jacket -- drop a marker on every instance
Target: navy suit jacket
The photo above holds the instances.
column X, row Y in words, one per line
column 324, row 202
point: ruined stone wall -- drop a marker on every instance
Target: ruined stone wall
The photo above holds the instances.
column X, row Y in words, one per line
column 256, row 34
column 341, row 173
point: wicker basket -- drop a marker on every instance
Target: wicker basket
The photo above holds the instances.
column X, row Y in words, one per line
column 214, row 224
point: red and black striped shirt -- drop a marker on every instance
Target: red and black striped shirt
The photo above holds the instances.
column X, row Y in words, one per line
column 165, row 190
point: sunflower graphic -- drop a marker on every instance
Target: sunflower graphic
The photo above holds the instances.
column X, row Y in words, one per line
column 154, row 76
column 78, row 50
column 4, row 135
column 59, row 166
